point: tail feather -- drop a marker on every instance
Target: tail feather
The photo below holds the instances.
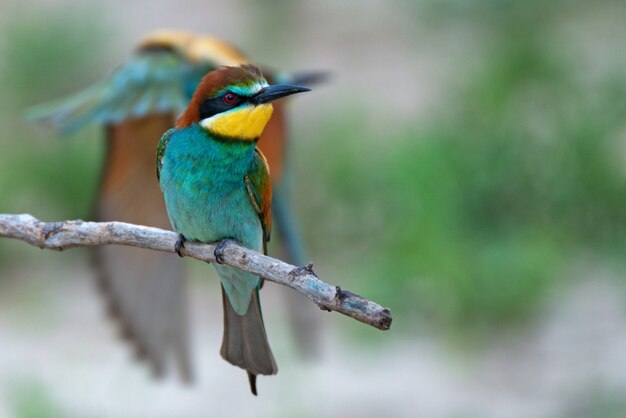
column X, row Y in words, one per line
column 252, row 381
column 245, row 342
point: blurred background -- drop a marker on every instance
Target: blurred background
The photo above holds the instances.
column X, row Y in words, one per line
column 465, row 166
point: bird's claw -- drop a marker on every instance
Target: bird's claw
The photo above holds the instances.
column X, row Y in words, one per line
column 219, row 249
column 180, row 244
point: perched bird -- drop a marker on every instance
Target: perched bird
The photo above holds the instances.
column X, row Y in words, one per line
column 145, row 290
column 216, row 185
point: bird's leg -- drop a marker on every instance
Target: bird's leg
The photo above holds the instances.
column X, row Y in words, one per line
column 180, row 244
column 219, row 249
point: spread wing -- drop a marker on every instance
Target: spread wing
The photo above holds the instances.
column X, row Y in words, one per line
column 150, row 82
column 259, row 187
column 144, row 291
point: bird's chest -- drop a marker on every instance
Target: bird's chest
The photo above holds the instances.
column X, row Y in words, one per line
column 207, row 199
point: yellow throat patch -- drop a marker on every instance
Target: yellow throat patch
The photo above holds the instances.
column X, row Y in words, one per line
column 246, row 122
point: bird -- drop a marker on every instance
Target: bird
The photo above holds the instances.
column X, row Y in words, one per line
column 136, row 105
column 216, row 185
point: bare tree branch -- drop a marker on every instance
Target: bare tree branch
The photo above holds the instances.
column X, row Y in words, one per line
column 70, row 234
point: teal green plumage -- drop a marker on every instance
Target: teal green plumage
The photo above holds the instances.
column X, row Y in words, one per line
column 203, row 182
column 153, row 82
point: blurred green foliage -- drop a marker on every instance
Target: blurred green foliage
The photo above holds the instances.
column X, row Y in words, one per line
column 31, row 399
column 469, row 223
column 596, row 401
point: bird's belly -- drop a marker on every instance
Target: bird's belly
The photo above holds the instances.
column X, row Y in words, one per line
column 208, row 215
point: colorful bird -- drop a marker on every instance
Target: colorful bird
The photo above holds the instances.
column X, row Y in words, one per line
column 144, row 290
column 216, row 185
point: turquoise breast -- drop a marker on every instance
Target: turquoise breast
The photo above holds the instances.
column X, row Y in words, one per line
column 203, row 184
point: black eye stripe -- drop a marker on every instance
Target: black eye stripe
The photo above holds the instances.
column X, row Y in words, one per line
column 216, row 105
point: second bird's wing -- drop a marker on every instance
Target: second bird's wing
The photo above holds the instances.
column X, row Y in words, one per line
column 151, row 82
column 145, row 290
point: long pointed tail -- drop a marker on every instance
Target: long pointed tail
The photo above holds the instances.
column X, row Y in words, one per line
column 245, row 342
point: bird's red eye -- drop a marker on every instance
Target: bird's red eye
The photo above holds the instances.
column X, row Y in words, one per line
column 230, row 98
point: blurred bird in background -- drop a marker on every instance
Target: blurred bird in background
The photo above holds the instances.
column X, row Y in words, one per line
column 216, row 186
column 145, row 290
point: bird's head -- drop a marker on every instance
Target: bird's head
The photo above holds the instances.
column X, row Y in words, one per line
column 234, row 103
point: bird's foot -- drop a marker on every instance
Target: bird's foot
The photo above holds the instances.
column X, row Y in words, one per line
column 219, row 249
column 180, row 244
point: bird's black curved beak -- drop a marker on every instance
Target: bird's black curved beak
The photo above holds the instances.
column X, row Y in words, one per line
column 270, row 93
